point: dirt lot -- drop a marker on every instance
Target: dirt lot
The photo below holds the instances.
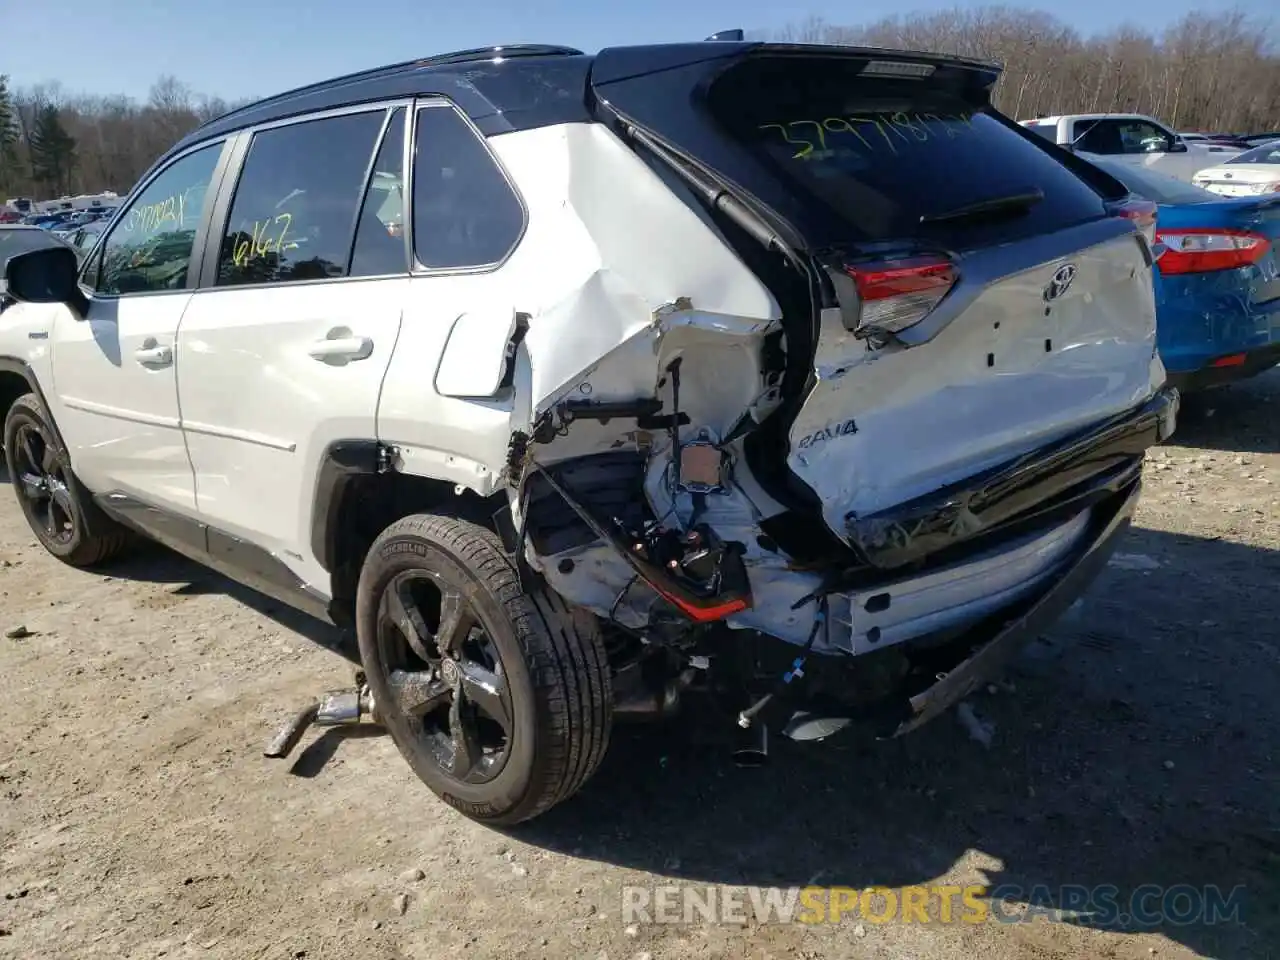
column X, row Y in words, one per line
column 1134, row 746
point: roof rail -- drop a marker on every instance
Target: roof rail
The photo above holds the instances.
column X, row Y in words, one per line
column 736, row 36
column 441, row 59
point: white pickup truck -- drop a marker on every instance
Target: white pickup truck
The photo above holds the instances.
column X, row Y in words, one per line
column 1131, row 139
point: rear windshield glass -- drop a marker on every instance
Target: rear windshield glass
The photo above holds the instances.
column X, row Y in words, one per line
column 883, row 153
column 1267, row 153
column 1156, row 186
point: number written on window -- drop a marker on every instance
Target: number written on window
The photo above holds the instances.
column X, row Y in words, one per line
column 149, row 249
column 295, row 204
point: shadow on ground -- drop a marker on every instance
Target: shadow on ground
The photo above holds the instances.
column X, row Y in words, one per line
column 1135, row 749
column 1237, row 419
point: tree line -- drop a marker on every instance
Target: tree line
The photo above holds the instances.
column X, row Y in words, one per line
column 54, row 143
column 1218, row 73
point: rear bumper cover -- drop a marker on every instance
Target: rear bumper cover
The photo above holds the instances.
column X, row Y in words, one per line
column 1064, row 478
column 988, row 659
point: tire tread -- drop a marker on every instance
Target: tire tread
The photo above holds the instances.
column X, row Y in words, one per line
column 564, row 652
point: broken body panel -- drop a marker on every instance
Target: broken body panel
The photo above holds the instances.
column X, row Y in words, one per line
column 696, row 428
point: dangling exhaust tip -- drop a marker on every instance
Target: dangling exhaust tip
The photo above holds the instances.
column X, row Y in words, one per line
column 808, row 726
column 752, row 747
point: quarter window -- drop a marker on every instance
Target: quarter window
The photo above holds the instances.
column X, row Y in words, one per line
column 465, row 213
column 294, row 210
column 149, row 248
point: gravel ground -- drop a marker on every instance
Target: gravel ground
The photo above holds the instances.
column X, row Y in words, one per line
column 1132, row 746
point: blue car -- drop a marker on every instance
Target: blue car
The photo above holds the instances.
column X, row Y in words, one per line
column 1217, row 283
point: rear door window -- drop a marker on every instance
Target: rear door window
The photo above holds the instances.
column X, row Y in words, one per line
column 889, row 155
column 293, row 216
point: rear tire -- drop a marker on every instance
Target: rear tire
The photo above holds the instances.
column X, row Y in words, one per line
column 58, row 508
column 529, row 675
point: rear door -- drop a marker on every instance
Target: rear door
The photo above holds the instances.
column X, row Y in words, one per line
column 283, row 349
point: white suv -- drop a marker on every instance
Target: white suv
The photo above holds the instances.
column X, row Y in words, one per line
column 576, row 385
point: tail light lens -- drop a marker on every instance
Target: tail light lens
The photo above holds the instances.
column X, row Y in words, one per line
column 897, row 294
column 1141, row 212
column 1202, row 251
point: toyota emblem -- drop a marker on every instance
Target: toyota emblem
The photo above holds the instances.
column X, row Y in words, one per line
column 1062, row 278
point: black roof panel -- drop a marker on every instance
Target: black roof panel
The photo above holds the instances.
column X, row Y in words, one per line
column 487, row 81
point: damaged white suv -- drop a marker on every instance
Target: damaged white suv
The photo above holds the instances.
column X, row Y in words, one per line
column 579, row 385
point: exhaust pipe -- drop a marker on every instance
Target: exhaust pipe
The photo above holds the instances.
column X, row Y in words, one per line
column 752, row 747
column 335, row 708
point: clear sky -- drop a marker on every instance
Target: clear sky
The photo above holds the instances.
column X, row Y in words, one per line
column 259, row 47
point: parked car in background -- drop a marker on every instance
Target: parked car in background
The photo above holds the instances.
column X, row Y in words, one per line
column 1257, row 139
column 1131, row 139
column 1247, row 174
column 46, row 221
column 1217, row 282
column 1209, row 139
column 87, row 235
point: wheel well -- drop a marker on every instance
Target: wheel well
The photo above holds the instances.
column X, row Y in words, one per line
column 12, row 386
column 366, row 504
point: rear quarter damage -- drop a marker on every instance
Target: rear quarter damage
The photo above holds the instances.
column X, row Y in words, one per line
column 650, row 329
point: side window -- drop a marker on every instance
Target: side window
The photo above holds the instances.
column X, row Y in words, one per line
column 1099, row 136
column 294, row 208
column 379, row 247
column 465, row 213
column 1138, row 136
column 149, row 248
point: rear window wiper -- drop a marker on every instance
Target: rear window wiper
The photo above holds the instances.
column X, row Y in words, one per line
column 996, row 206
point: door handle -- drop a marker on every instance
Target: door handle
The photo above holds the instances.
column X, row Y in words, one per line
column 341, row 345
column 152, row 354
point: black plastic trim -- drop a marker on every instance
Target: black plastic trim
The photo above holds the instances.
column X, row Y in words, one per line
column 1069, row 472
column 1010, row 635
column 343, row 461
column 244, row 562
column 23, row 369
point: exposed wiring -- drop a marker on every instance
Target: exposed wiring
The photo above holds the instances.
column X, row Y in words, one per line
column 820, row 622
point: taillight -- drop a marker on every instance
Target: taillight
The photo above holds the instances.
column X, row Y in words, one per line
column 897, row 294
column 1141, row 212
column 1201, row 251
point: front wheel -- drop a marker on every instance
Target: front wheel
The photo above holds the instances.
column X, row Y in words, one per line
column 500, row 700
column 58, row 508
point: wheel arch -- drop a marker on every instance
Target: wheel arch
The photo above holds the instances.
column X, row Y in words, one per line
column 17, row 378
column 358, row 494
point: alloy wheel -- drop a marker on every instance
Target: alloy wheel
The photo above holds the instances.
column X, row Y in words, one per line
column 42, row 484
column 445, row 675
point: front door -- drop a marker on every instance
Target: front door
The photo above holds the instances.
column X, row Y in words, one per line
column 115, row 385
column 283, row 350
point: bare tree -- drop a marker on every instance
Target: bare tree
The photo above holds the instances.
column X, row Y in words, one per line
column 116, row 138
column 1218, row 72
